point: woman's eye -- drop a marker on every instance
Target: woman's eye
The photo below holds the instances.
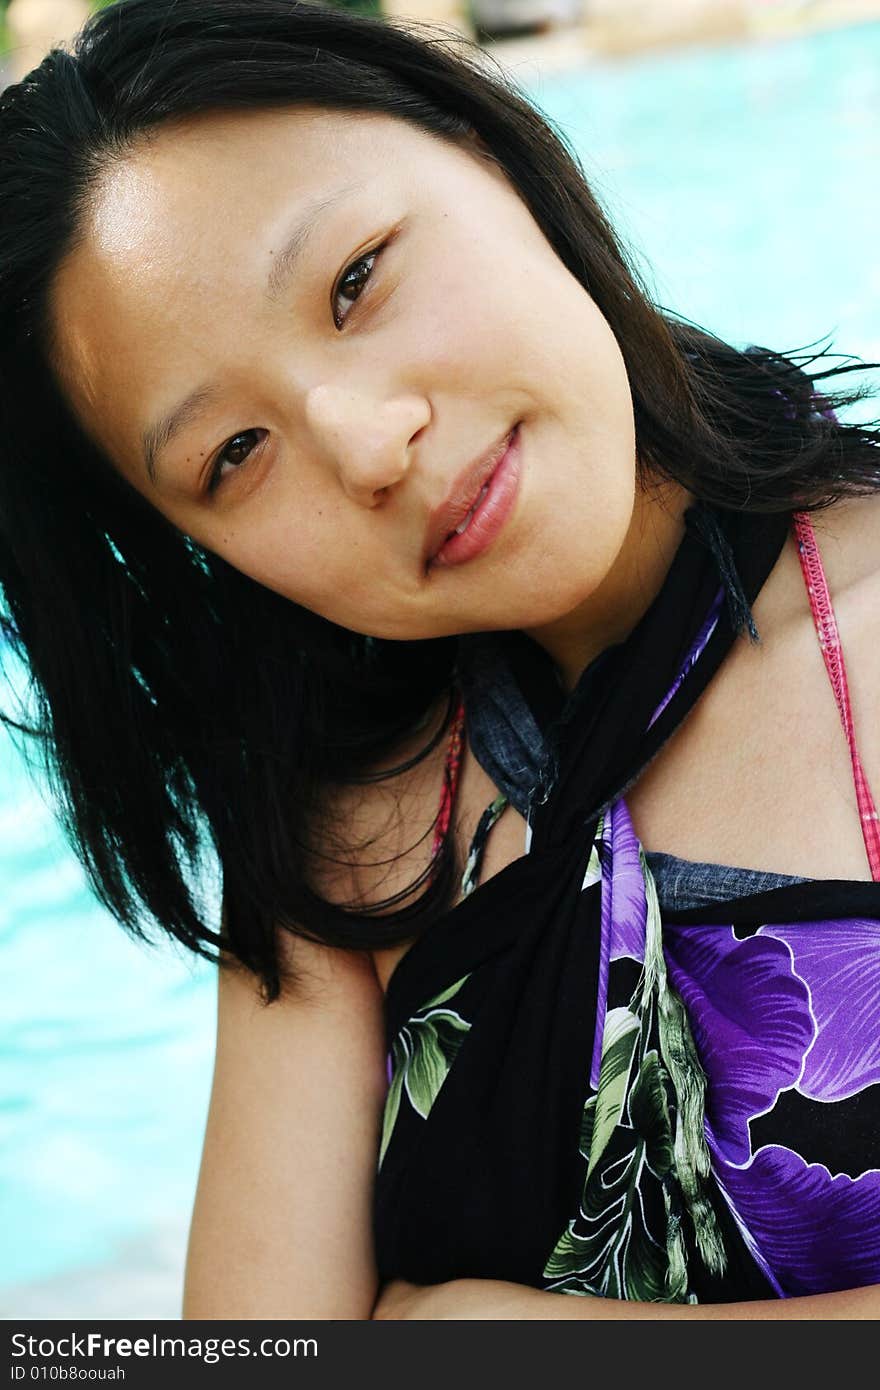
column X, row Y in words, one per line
column 235, row 453
column 352, row 282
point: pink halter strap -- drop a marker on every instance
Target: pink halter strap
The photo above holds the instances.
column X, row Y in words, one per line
column 829, row 641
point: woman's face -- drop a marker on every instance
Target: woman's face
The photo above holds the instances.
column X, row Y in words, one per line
column 295, row 330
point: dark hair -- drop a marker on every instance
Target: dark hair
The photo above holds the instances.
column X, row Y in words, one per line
column 129, row 630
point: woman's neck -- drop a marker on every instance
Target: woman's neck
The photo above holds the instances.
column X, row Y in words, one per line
column 611, row 612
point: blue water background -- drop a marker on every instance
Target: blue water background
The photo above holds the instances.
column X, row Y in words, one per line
column 747, row 176
column 748, row 179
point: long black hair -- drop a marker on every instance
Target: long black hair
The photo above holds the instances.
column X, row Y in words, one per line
column 185, row 715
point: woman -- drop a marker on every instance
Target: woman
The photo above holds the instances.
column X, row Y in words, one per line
column 332, row 414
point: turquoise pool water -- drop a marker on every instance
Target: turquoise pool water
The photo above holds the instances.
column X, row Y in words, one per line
column 747, row 176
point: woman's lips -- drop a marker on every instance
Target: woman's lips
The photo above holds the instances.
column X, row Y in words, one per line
column 488, row 514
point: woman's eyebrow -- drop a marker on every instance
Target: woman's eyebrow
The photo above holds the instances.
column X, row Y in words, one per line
column 284, row 263
column 158, row 436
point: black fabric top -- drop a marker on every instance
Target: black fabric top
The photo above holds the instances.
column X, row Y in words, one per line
column 593, row 1094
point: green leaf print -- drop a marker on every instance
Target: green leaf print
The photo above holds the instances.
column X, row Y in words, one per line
column 647, row 1158
column 650, row 1116
column 587, row 1119
column 392, row 1099
column 421, row 1057
column 608, row 1249
column 618, row 1047
column 436, row 1041
column 445, row 996
column 692, row 1162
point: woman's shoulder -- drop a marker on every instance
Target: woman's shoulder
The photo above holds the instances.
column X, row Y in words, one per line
column 848, row 536
column 848, row 540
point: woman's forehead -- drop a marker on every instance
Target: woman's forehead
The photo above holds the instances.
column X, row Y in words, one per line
column 226, row 171
column 307, row 140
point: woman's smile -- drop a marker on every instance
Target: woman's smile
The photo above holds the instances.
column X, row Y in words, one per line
column 483, row 497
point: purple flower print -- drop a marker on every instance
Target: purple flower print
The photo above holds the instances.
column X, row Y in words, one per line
column 840, row 962
column 623, row 911
column 751, row 1020
column 793, row 1006
column 815, row 1232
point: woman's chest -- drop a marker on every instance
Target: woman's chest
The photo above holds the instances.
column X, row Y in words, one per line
column 760, row 773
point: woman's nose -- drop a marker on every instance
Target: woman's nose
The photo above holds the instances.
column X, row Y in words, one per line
column 368, row 442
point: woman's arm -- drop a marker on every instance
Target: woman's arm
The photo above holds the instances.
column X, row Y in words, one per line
column 493, row 1300
column 282, row 1225
column 283, row 1218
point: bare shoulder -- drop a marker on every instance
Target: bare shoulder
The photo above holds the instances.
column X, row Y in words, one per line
column 848, row 535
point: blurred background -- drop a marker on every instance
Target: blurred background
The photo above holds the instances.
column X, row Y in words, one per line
column 736, row 144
